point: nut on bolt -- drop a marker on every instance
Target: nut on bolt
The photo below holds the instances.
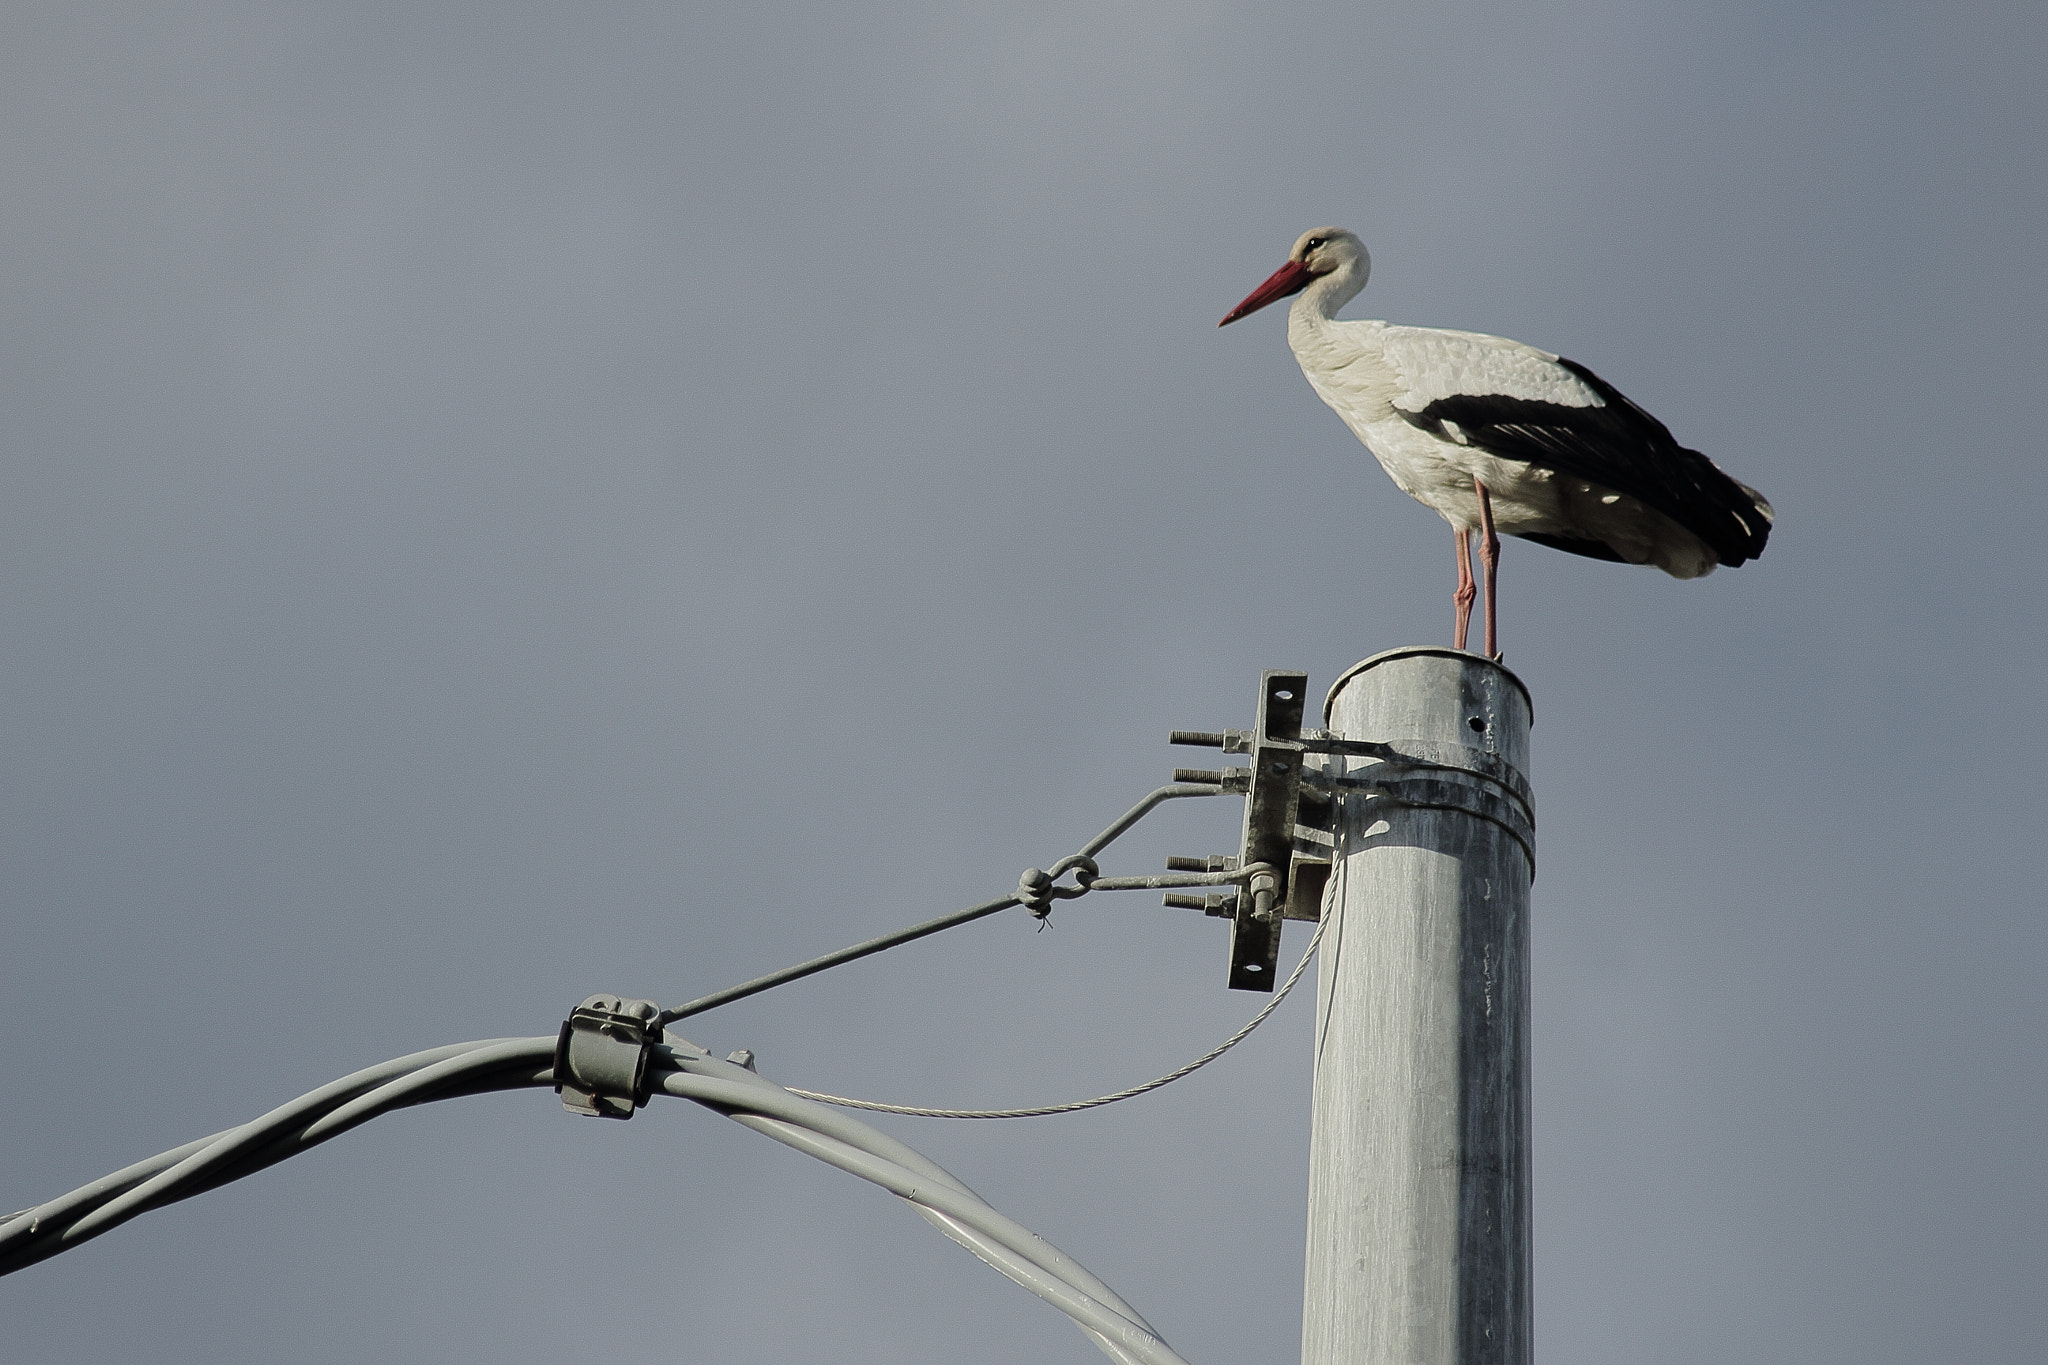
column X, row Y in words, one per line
column 1265, row 888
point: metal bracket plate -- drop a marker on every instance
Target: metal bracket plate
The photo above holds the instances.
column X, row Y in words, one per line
column 1269, row 810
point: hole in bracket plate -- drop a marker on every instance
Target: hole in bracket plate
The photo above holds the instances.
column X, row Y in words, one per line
column 1284, row 695
column 1478, row 725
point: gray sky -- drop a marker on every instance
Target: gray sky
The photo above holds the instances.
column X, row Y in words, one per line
column 503, row 503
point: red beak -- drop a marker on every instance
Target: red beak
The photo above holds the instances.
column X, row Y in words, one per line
column 1291, row 278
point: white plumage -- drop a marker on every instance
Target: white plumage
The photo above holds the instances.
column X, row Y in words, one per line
column 1499, row 436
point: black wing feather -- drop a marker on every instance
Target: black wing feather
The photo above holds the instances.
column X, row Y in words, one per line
column 1591, row 549
column 1619, row 447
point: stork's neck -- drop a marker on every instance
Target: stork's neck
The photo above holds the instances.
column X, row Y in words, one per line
column 1321, row 300
column 1344, row 361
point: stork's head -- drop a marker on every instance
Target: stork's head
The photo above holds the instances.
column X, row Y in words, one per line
column 1319, row 252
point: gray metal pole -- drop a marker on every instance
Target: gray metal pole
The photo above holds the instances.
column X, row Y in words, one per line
column 1418, row 1215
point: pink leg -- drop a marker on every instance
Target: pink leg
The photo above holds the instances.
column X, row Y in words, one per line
column 1489, row 556
column 1466, row 591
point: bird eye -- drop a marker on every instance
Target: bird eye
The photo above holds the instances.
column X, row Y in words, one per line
column 1312, row 243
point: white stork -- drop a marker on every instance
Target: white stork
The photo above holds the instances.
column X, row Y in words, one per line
column 1496, row 435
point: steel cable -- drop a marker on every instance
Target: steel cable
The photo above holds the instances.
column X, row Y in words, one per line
column 1074, row 1105
column 1035, row 888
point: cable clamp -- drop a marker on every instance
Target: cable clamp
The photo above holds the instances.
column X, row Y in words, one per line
column 601, row 1056
column 1036, row 890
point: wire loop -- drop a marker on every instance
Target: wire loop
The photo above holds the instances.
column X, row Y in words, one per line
column 1037, row 889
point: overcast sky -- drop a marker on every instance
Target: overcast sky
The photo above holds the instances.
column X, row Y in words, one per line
column 509, row 502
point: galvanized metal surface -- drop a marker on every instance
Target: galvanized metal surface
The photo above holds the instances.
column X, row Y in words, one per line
column 1418, row 1237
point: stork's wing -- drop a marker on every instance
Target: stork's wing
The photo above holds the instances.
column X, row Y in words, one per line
column 1523, row 404
column 1435, row 363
